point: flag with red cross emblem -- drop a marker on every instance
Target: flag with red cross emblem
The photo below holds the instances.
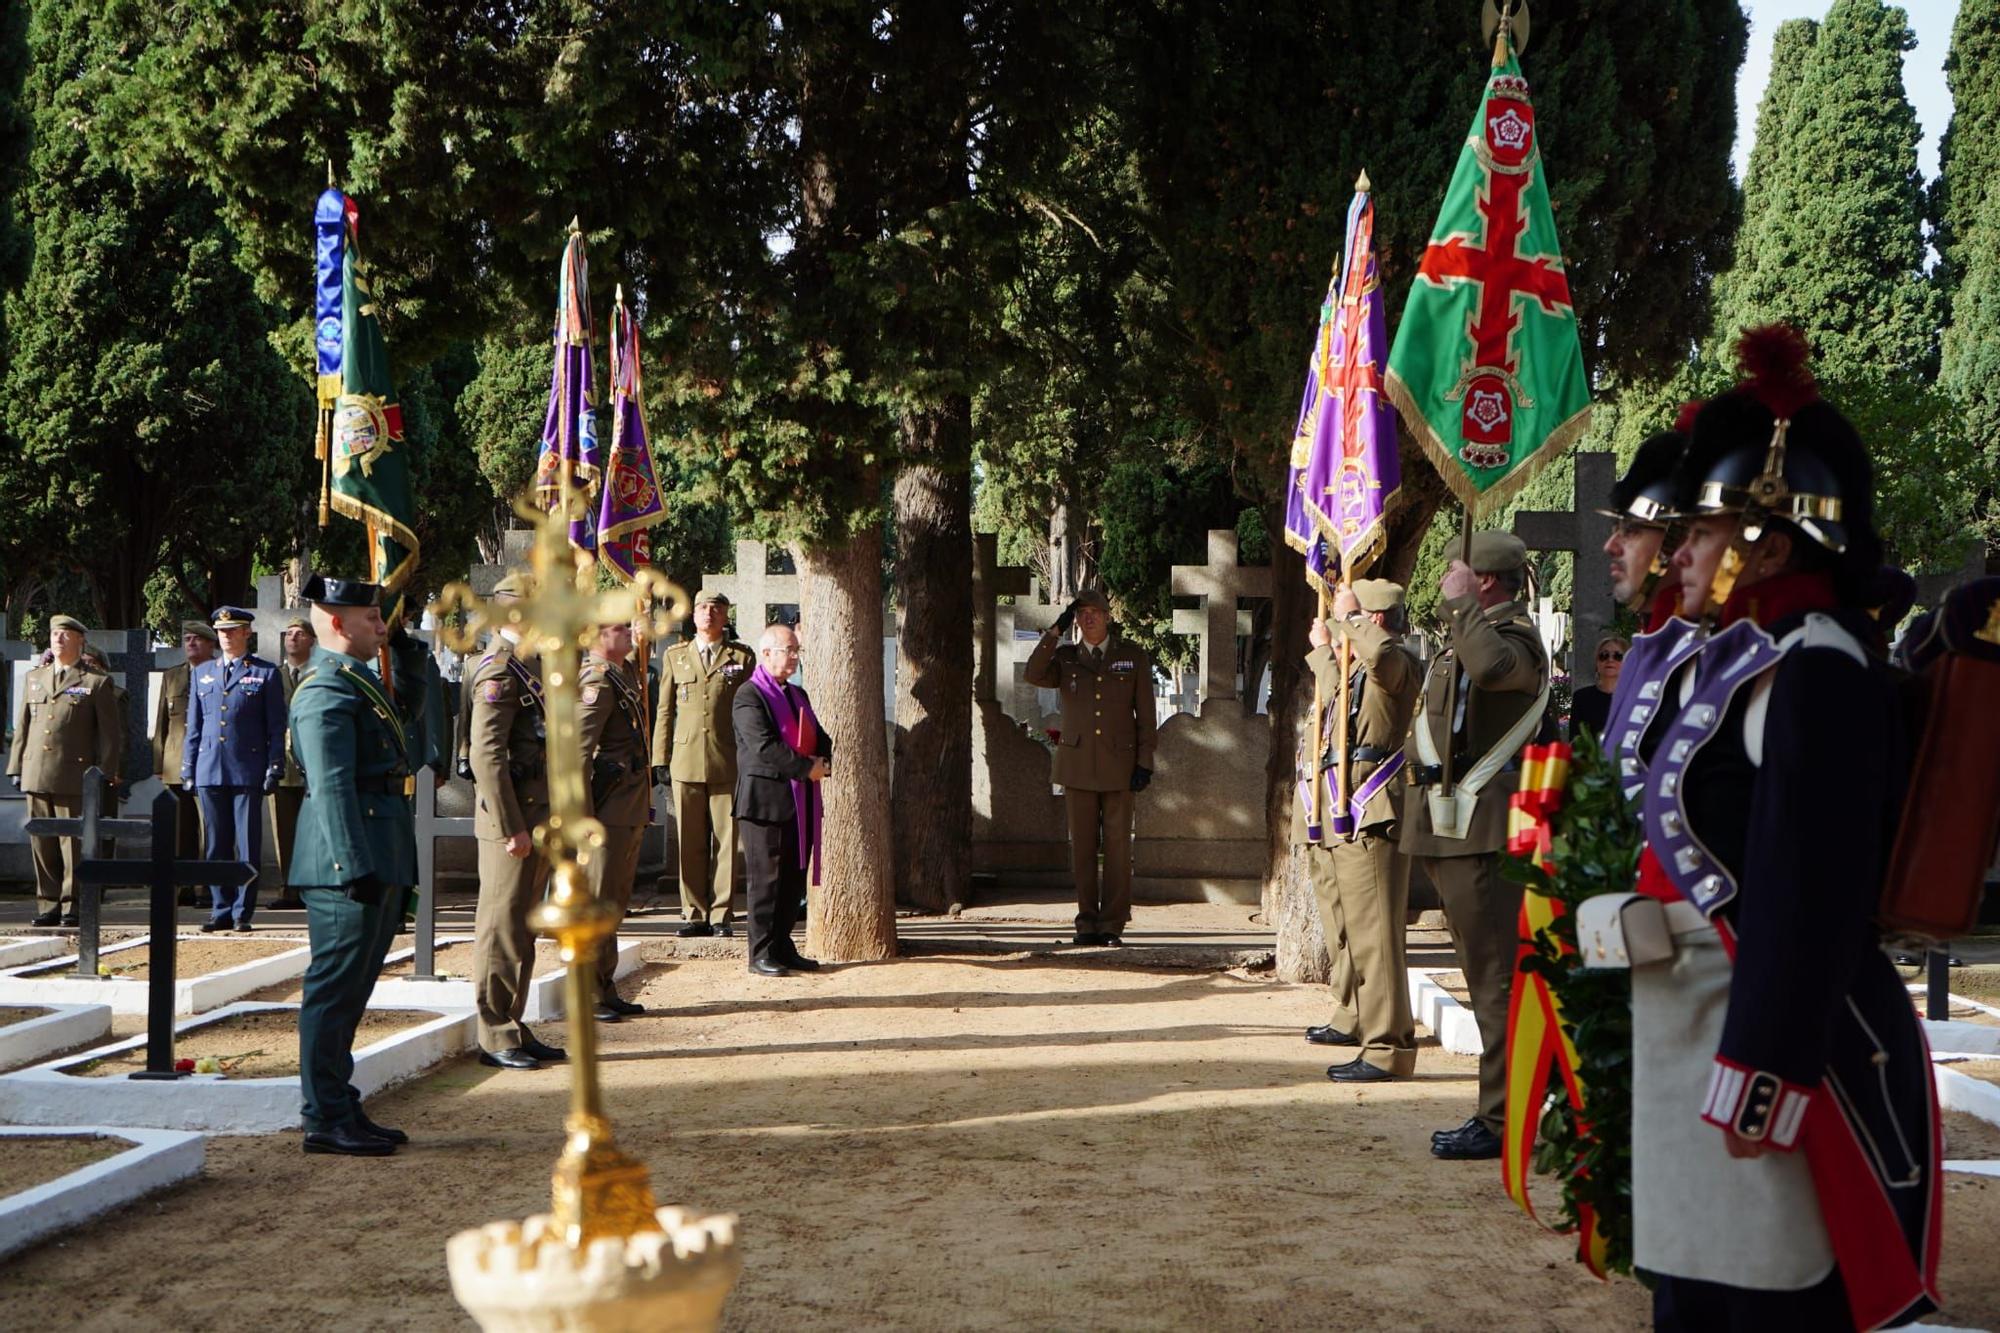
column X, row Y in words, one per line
column 1487, row 368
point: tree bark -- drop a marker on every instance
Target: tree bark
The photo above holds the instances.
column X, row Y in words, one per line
column 840, row 591
column 932, row 796
column 1288, row 902
column 1302, row 951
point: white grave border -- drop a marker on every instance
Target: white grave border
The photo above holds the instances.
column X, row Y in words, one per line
column 157, row 1158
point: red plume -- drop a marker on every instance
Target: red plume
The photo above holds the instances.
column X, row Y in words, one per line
column 1684, row 423
column 1773, row 358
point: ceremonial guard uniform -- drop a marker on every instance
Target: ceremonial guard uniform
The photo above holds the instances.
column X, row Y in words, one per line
column 1360, row 879
column 613, row 728
column 291, row 793
column 1104, row 754
column 69, row 724
column 506, row 739
column 170, row 739
column 694, row 740
column 354, row 862
column 233, row 754
column 1503, row 688
column 1785, row 1127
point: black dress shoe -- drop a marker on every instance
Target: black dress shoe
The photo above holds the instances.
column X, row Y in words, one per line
column 1440, row 1135
column 1112, row 941
column 604, row 1013
column 70, row 919
column 242, row 929
column 382, row 1132
column 1326, row 1034
column 769, row 967
column 694, row 930
column 348, row 1141
column 1087, row 938
column 210, row 927
column 621, row 1006
column 541, row 1050
column 1358, row 1070
column 798, row 962
column 48, row 919
column 724, row 929
column 1473, row 1143
column 509, row 1059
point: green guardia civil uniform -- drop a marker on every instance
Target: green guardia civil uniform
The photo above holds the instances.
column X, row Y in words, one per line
column 354, row 861
column 612, row 721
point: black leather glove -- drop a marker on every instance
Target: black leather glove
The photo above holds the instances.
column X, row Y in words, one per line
column 1141, row 778
column 367, row 890
column 463, row 767
column 1066, row 619
column 272, row 781
column 662, row 775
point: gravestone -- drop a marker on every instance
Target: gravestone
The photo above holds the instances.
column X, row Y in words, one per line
column 12, row 651
column 756, row 595
column 990, row 581
column 1017, row 628
column 1222, row 584
column 1582, row 532
column 89, row 826
column 268, row 617
column 430, row 827
column 129, row 654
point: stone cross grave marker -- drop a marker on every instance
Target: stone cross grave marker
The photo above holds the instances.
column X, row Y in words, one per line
column 754, row 593
column 1582, row 532
column 162, row 876
column 990, row 580
column 129, row 654
column 1221, row 584
column 1019, row 699
column 430, row 827
column 88, row 827
column 13, row 652
column 268, row 618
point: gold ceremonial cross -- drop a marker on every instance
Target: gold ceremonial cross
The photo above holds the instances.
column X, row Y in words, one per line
column 598, row 1190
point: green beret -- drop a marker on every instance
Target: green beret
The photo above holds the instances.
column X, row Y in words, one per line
column 1377, row 594
column 1497, row 552
column 1093, row 597
column 715, row 595
column 301, row 622
column 66, row 622
column 200, row 629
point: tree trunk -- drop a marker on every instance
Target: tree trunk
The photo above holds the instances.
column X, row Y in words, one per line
column 1288, row 902
column 932, row 799
column 840, row 592
column 1302, row 952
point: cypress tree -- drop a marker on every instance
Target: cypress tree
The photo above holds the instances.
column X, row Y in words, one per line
column 1791, row 44
column 1969, row 153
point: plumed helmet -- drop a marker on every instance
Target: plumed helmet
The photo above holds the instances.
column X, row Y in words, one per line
column 1773, row 451
column 1650, row 488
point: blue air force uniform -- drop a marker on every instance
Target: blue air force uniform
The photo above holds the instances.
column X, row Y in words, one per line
column 234, row 753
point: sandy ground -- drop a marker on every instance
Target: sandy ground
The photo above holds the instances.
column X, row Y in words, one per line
column 192, row 958
column 12, row 1015
column 254, row 1045
column 26, row 1163
column 999, row 1142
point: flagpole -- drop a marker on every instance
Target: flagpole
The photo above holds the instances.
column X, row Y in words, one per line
column 1451, row 682
column 375, row 576
column 1344, row 774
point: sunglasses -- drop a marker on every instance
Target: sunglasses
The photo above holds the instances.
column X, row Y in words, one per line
column 1611, row 655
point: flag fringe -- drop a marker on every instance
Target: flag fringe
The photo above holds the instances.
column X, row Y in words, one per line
column 1478, row 503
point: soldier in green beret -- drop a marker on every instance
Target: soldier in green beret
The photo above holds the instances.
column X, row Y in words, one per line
column 694, row 749
column 70, row 723
column 355, row 857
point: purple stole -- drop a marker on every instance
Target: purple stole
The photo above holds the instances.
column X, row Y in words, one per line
column 800, row 730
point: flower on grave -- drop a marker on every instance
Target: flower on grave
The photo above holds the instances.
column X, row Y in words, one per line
column 104, row 969
column 208, row 1064
column 183, row 1066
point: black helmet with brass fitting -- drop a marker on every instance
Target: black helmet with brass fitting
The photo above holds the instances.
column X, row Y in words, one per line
column 1772, row 452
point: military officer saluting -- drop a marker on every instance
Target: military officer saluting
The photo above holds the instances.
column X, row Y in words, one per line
column 694, row 747
column 507, row 736
column 613, row 731
column 233, row 756
column 1502, row 688
column 69, row 724
column 355, row 859
column 1104, row 755
column 1360, row 880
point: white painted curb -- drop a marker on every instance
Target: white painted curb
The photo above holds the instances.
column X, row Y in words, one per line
column 1437, row 1009
column 211, row 1103
column 1963, row 1092
column 21, row 950
column 545, row 992
column 157, row 1158
column 62, row 1027
column 192, row 995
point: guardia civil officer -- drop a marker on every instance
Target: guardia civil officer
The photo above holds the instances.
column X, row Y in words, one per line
column 233, row 756
column 355, row 858
column 1360, row 880
column 70, row 723
column 1785, row 1156
column 612, row 724
column 694, row 749
column 506, row 743
column 1502, row 672
column 1104, row 754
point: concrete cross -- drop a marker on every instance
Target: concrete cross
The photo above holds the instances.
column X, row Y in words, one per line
column 1011, row 651
column 514, row 544
column 1222, row 584
column 430, row 827
column 89, row 826
column 129, row 654
column 756, row 596
column 1582, row 532
column 268, row 618
column 990, row 581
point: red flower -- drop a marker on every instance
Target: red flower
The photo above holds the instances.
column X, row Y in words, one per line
column 183, row 1066
column 1054, row 734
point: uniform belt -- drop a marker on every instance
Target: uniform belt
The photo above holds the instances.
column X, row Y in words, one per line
column 384, row 786
column 1360, row 754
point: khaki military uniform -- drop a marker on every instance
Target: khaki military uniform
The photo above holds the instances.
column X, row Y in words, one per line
column 69, row 723
column 694, row 739
column 1108, row 724
column 1362, row 885
column 1503, row 668
column 170, row 715
column 291, row 794
column 613, row 726
column 505, row 742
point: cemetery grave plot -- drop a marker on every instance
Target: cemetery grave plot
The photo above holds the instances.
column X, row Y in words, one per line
column 455, row 957
column 258, row 1044
column 28, row 1161
column 1967, row 1138
column 194, row 956
column 12, row 1014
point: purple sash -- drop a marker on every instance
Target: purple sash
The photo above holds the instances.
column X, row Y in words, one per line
column 1649, row 669
column 1730, row 660
column 800, row 730
column 1346, row 822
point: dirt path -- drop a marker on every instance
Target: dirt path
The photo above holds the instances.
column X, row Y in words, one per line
column 969, row 1144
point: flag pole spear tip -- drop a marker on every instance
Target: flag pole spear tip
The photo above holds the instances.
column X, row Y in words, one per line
column 576, row 224
column 1361, row 185
column 618, row 294
column 329, row 173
